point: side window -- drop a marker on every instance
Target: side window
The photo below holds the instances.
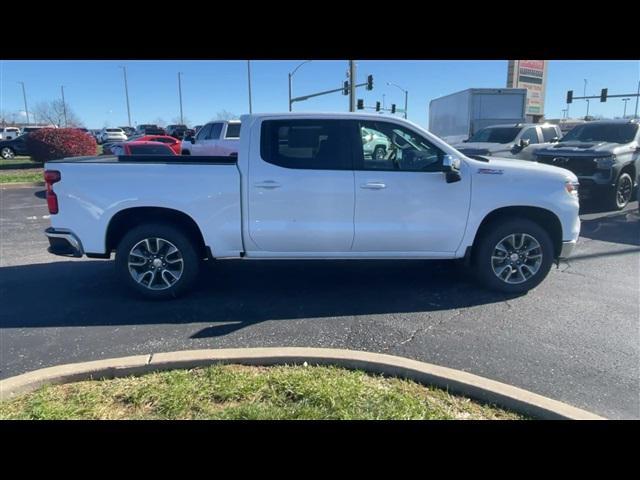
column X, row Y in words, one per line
column 203, row 132
column 216, row 130
column 389, row 146
column 530, row 134
column 305, row 144
column 548, row 133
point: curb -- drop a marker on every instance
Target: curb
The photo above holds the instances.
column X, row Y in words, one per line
column 22, row 184
column 455, row 381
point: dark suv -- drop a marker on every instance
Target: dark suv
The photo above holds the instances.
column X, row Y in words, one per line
column 149, row 129
column 176, row 131
column 604, row 155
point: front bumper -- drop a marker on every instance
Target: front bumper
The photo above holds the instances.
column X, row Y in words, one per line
column 63, row 243
column 567, row 248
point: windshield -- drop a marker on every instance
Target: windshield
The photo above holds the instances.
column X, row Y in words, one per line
column 496, row 135
column 607, row 132
column 114, row 130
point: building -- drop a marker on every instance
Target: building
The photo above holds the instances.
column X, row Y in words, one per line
column 532, row 75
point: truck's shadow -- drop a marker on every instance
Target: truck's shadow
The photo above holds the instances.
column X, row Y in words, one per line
column 620, row 227
column 232, row 295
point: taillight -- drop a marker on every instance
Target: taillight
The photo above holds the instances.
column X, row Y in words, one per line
column 51, row 177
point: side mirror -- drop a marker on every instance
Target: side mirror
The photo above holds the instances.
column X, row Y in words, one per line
column 451, row 167
column 524, row 142
column 192, row 140
column 555, row 139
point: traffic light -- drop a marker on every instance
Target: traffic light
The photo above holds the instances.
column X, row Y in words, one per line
column 360, row 104
column 570, row 96
column 345, row 88
column 603, row 94
column 370, row 82
column 377, row 106
column 393, row 108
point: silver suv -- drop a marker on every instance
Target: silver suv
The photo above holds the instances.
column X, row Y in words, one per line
column 520, row 140
column 604, row 155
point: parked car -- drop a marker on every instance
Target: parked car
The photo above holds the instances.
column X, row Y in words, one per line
column 302, row 188
column 141, row 148
column 176, row 131
column 9, row 133
column 374, row 144
column 605, row 156
column 171, row 142
column 220, row 138
column 13, row 147
column 33, row 128
column 128, row 131
column 149, row 129
column 520, row 140
column 112, row 135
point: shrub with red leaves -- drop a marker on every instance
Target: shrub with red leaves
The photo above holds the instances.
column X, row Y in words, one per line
column 53, row 143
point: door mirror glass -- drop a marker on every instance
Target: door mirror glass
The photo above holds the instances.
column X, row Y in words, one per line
column 450, row 163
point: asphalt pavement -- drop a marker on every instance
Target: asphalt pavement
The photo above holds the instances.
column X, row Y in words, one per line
column 575, row 338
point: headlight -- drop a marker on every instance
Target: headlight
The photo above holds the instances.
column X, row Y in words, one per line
column 605, row 163
column 571, row 187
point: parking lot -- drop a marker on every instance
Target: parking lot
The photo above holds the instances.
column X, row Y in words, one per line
column 575, row 338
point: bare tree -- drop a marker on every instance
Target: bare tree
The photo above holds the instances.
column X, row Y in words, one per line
column 160, row 122
column 225, row 115
column 177, row 121
column 55, row 112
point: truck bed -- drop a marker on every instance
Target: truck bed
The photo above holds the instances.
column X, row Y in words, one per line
column 92, row 190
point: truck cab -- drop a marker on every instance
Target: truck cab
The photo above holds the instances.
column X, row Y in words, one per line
column 219, row 138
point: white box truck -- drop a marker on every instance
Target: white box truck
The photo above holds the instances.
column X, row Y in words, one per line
column 457, row 116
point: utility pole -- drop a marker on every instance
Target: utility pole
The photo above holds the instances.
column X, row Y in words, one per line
column 64, row 106
column 352, row 86
column 249, row 77
column 406, row 96
column 126, row 92
column 638, row 96
column 180, row 95
column 24, row 96
column 584, row 94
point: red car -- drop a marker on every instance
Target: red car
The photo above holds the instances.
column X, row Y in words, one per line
column 172, row 142
column 141, row 148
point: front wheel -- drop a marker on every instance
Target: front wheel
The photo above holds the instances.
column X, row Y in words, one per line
column 513, row 256
column 157, row 261
column 623, row 192
column 7, row 153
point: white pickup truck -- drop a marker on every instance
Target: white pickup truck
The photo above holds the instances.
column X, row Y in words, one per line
column 302, row 187
column 217, row 139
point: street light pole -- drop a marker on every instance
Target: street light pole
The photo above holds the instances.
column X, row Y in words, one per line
column 249, row 77
column 625, row 100
column 126, row 92
column 638, row 96
column 180, row 95
column 64, row 106
column 290, row 77
column 406, row 97
column 584, row 94
column 24, row 96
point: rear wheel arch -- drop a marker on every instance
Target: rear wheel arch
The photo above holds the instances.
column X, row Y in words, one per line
column 125, row 220
column 546, row 219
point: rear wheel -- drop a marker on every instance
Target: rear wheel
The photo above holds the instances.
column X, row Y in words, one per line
column 157, row 261
column 513, row 256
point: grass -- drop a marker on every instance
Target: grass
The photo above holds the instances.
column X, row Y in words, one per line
column 20, row 169
column 242, row 392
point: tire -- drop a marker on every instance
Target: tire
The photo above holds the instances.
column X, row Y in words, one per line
column 7, row 153
column 162, row 277
column 530, row 271
column 186, row 152
column 622, row 193
column 379, row 153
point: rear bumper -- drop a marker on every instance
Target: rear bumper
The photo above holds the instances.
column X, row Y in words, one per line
column 64, row 243
column 567, row 248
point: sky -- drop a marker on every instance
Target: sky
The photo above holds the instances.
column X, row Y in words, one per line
column 94, row 89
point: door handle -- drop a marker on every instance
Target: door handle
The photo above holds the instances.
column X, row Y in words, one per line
column 373, row 185
column 269, row 184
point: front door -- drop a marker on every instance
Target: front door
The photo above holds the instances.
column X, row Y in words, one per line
column 301, row 193
column 403, row 203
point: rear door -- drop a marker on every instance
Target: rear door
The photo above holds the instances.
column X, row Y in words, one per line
column 301, row 191
column 197, row 148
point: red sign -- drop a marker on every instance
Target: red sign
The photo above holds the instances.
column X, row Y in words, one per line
column 533, row 64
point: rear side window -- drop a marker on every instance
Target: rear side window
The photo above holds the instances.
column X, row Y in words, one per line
column 233, row 130
column 150, row 150
column 549, row 133
column 305, row 144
